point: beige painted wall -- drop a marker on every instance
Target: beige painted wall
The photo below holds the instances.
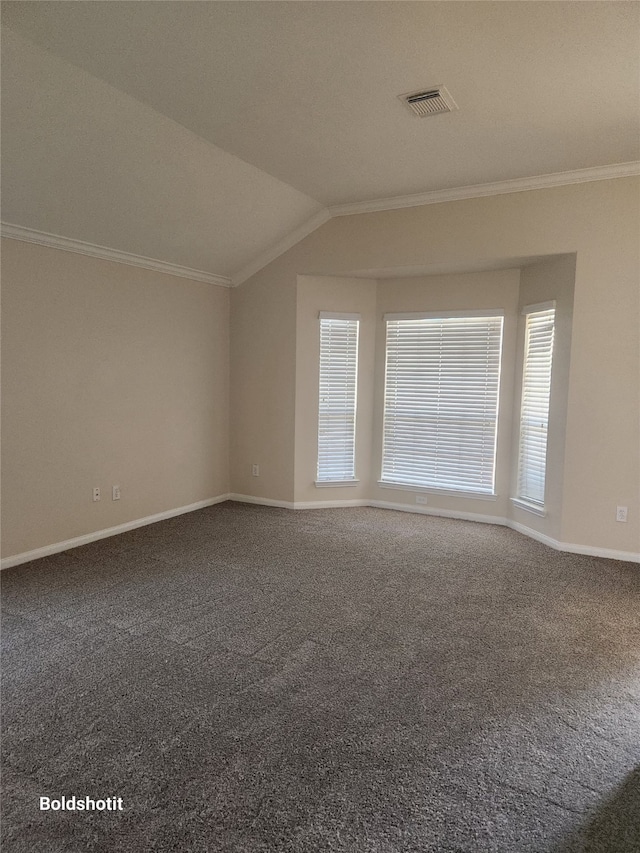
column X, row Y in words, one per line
column 550, row 280
column 263, row 371
column 111, row 375
column 345, row 295
column 472, row 291
column 598, row 221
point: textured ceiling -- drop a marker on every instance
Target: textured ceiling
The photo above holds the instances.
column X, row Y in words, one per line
column 203, row 132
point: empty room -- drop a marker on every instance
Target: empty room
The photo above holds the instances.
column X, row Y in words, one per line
column 320, row 427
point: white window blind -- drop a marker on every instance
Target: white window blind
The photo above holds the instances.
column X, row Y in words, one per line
column 441, row 401
column 338, row 396
column 534, row 410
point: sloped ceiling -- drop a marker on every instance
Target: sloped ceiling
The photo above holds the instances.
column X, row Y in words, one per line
column 202, row 133
column 84, row 160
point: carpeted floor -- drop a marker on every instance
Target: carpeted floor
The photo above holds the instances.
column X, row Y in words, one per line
column 363, row 681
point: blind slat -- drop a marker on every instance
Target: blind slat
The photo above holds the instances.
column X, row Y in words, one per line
column 534, row 409
column 441, row 402
column 338, row 397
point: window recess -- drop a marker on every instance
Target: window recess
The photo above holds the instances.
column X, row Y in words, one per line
column 337, row 398
column 534, row 406
column 442, row 387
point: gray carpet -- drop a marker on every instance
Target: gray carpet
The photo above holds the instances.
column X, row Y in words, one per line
column 364, row 681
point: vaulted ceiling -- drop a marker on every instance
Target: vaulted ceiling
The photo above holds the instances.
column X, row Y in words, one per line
column 203, row 133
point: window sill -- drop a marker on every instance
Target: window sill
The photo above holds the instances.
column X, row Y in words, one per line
column 329, row 484
column 452, row 493
column 534, row 508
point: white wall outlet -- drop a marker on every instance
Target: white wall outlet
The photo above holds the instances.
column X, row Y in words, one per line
column 255, row 470
column 115, row 493
column 421, row 499
column 96, row 493
column 621, row 513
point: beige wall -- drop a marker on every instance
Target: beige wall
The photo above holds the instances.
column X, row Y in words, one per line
column 345, row 295
column 111, row 375
column 598, row 221
column 551, row 280
column 263, row 371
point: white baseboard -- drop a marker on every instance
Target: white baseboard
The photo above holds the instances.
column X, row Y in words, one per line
column 57, row 547
column 586, row 550
column 568, row 547
column 330, row 504
column 442, row 513
column 468, row 516
column 250, row 499
column 571, row 548
column 608, row 553
column 533, row 534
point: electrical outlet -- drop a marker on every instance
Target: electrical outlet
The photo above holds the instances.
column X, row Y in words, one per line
column 96, row 493
column 115, row 493
column 621, row 513
column 421, row 499
column 255, row 470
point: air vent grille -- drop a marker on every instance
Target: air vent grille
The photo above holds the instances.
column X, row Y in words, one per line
column 429, row 102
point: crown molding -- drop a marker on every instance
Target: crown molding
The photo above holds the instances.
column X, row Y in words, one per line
column 538, row 182
column 280, row 248
column 67, row 244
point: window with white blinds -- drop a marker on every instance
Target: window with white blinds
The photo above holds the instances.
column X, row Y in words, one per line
column 441, row 401
column 534, row 408
column 338, row 397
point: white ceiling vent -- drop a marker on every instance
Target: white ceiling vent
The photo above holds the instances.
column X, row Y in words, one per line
column 429, row 102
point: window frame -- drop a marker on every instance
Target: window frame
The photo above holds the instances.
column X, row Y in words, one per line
column 328, row 482
column 521, row 500
column 477, row 494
